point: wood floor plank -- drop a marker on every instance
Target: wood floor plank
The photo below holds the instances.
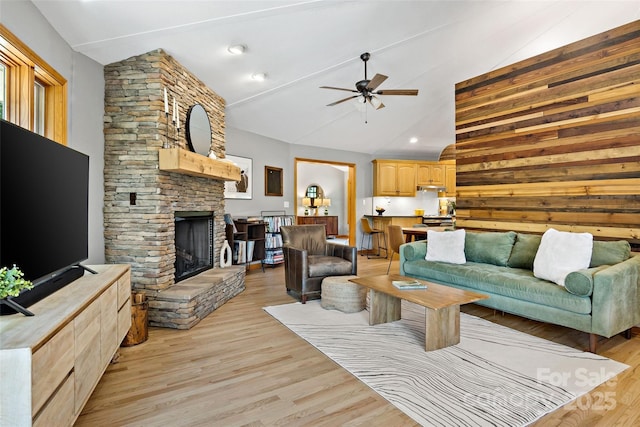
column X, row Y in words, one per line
column 241, row 367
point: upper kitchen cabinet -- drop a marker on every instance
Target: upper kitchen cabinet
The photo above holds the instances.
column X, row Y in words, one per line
column 450, row 179
column 394, row 178
column 431, row 173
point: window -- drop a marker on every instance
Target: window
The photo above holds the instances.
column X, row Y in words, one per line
column 32, row 94
column 38, row 108
column 3, row 98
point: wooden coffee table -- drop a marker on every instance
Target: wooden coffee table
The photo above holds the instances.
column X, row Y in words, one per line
column 442, row 304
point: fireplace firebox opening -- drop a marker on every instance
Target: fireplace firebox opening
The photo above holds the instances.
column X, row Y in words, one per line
column 194, row 243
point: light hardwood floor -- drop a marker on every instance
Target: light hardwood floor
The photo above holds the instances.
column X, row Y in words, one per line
column 240, row 367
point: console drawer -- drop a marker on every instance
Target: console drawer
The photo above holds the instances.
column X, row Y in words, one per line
column 51, row 364
column 60, row 410
column 124, row 288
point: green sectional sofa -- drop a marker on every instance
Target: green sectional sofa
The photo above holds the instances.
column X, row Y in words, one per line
column 603, row 299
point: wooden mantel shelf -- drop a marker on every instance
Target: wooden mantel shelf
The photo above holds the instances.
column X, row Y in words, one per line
column 186, row 162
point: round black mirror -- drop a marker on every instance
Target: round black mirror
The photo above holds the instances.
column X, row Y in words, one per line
column 198, row 130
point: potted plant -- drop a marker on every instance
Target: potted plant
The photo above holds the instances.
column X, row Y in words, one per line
column 12, row 283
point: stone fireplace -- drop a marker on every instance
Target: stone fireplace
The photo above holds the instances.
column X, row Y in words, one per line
column 143, row 202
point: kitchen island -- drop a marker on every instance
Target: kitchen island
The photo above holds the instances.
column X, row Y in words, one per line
column 382, row 222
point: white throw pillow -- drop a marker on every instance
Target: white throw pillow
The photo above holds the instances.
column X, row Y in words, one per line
column 560, row 253
column 446, row 246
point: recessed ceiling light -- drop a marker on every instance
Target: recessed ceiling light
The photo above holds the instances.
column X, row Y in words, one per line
column 413, row 140
column 259, row 77
column 237, row 49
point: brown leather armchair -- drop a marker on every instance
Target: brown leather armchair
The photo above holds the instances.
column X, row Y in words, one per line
column 309, row 258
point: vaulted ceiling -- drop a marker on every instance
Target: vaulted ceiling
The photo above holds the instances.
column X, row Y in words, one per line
column 302, row 45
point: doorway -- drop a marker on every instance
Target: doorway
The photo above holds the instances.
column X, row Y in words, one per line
column 347, row 198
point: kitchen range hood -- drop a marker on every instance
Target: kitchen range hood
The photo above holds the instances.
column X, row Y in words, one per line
column 431, row 188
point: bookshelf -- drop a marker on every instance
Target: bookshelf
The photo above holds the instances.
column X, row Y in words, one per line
column 273, row 239
column 247, row 242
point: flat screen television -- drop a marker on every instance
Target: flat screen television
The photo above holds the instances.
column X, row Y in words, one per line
column 44, row 199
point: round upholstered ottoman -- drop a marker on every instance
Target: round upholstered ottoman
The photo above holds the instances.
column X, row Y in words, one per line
column 338, row 293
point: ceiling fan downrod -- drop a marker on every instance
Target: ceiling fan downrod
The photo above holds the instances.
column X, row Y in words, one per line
column 361, row 86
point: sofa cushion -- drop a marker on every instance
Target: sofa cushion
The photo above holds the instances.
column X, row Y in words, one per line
column 489, row 248
column 610, row 253
column 524, row 251
column 560, row 253
column 514, row 283
column 321, row 265
column 446, row 246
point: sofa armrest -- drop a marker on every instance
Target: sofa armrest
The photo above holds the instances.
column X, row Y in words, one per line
column 350, row 253
column 411, row 252
column 296, row 267
column 616, row 298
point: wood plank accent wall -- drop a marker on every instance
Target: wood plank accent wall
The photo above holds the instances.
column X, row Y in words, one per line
column 554, row 141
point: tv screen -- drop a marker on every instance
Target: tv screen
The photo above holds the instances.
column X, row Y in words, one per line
column 44, row 197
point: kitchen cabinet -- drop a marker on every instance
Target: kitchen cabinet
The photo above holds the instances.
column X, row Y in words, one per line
column 430, row 173
column 450, row 179
column 394, row 178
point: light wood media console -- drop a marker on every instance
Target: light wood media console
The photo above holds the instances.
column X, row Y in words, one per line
column 50, row 363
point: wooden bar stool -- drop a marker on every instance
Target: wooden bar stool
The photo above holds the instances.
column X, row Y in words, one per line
column 368, row 231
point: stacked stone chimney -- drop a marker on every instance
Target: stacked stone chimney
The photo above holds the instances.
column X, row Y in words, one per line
column 140, row 200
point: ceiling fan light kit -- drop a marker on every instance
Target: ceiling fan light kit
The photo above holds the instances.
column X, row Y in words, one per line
column 366, row 89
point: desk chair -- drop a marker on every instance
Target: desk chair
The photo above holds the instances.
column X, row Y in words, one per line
column 368, row 231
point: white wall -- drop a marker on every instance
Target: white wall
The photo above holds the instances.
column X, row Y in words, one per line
column 270, row 152
column 85, row 85
column 334, row 184
column 264, row 152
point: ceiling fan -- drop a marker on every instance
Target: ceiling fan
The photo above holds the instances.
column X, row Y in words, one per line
column 366, row 89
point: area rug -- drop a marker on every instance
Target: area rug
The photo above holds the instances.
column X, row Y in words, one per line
column 496, row 376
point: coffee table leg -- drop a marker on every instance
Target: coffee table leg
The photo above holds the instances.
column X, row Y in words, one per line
column 383, row 308
column 442, row 327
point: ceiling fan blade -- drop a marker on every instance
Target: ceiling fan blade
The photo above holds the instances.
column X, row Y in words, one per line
column 342, row 100
column 376, row 81
column 411, row 92
column 337, row 88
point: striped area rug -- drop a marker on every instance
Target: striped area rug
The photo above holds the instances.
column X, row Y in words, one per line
column 496, row 376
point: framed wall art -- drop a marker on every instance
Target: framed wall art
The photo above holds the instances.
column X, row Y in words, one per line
column 242, row 189
column 272, row 181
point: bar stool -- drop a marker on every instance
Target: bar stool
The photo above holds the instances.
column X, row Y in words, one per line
column 368, row 231
column 396, row 238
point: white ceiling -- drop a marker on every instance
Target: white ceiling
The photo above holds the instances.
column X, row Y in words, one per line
column 301, row 45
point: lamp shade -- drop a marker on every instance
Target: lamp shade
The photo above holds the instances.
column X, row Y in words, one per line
column 306, row 201
column 326, row 202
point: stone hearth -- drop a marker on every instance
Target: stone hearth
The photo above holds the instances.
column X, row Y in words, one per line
column 141, row 200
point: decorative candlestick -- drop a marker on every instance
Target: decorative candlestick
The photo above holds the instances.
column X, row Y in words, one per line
column 177, row 124
column 166, row 116
column 166, row 139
